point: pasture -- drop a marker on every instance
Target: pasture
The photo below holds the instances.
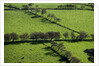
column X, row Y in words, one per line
column 29, row 51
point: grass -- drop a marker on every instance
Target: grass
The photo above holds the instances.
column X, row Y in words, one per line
column 46, row 5
column 79, row 20
column 20, row 22
column 32, row 53
column 77, row 49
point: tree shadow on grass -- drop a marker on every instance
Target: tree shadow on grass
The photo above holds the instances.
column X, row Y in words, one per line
column 33, row 42
column 56, row 54
column 35, row 16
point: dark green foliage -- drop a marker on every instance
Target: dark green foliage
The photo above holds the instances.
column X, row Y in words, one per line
column 36, row 6
column 37, row 10
column 30, row 4
column 66, row 35
column 10, row 6
column 14, row 36
column 24, row 36
column 43, row 11
column 7, row 37
column 74, row 60
column 82, row 7
column 25, row 7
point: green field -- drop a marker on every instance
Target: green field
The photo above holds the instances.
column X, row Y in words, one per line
column 30, row 52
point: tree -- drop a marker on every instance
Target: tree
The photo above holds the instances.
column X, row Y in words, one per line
column 57, row 35
column 7, row 37
column 10, row 6
column 43, row 11
column 53, row 44
column 34, row 35
column 66, row 35
column 30, row 4
column 92, row 35
column 51, row 35
column 24, row 36
column 60, row 46
column 74, row 60
column 92, row 6
column 36, row 6
column 83, row 35
column 37, row 10
column 53, row 16
column 14, row 36
column 82, row 7
column 46, row 36
column 73, row 35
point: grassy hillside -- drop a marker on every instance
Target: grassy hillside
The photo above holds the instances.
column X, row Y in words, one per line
column 20, row 22
column 79, row 20
column 28, row 53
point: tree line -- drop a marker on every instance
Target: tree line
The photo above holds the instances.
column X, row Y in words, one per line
column 61, row 49
column 45, row 36
column 42, row 11
column 74, row 6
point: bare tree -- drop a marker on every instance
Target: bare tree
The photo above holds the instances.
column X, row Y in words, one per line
column 24, row 36
column 7, row 37
column 73, row 35
column 66, row 35
column 14, row 36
